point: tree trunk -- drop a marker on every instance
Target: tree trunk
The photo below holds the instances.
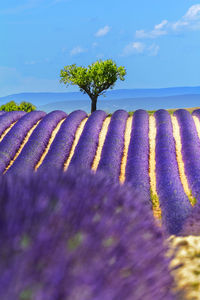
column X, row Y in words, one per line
column 93, row 104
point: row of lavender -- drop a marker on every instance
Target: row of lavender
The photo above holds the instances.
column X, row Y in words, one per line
column 173, row 200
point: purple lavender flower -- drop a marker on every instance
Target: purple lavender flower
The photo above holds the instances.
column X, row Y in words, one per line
column 137, row 168
column 192, row 224
column 190, row 150
column 8, row 118
column 196, row 113
column 37, row 143
column 14, row 138
column 174, row 203
column 77, row 235
column 61, row 146
column 112, row 151
column 87, row 145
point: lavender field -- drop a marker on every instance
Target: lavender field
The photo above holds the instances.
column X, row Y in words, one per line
column 154, row 158
column 157, row 153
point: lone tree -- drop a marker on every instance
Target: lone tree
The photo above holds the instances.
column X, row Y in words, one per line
column 93, row 80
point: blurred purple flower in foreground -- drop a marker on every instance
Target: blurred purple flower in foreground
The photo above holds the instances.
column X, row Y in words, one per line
column 78, row 236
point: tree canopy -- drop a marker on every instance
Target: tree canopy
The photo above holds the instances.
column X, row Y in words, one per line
column 24, row 106
column 93, row 80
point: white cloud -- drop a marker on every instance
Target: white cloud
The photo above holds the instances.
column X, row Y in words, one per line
column 190, row 21
column 193, row 13
column 159, row 30
column 153, row 50
column 138, row 47
column 134, row 48
column 102, row 31
column 141, row 34
column 161, row 25
column 77, row 50
column 179, row 25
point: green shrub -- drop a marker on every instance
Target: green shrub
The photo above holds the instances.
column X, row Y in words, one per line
column 24, row 106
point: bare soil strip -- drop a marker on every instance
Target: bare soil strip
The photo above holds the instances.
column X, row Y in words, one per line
column 186, row 265
column 75, row 142
column 102, row 137
column 197, row 124
column 127, row 138
column 152, row 169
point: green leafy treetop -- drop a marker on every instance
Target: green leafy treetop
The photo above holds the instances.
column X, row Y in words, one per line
column 26, row 106
column 93, row 80
column 11, row 106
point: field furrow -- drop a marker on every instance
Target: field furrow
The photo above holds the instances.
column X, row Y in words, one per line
column 127, row 138
column 152, row 169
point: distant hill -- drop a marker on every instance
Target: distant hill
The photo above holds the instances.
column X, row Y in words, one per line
column 110, row 105
column 45, row 98
column 128, row 99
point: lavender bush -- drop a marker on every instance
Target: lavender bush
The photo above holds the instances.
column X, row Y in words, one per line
column 76, row 235
column 196, row 113
column 112, row 151
column 137, row 168
column 37, row 143
column 190, row 150
column 192, row 224
column 61, row 146
column 14, row 138
column 174, row 203
column 87, row 145
column 6, row 119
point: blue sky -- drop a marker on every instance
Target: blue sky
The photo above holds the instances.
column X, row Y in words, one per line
column 157, row 41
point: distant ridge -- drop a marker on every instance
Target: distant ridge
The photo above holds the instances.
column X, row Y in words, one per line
column 129, row 104
column 39, row 99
